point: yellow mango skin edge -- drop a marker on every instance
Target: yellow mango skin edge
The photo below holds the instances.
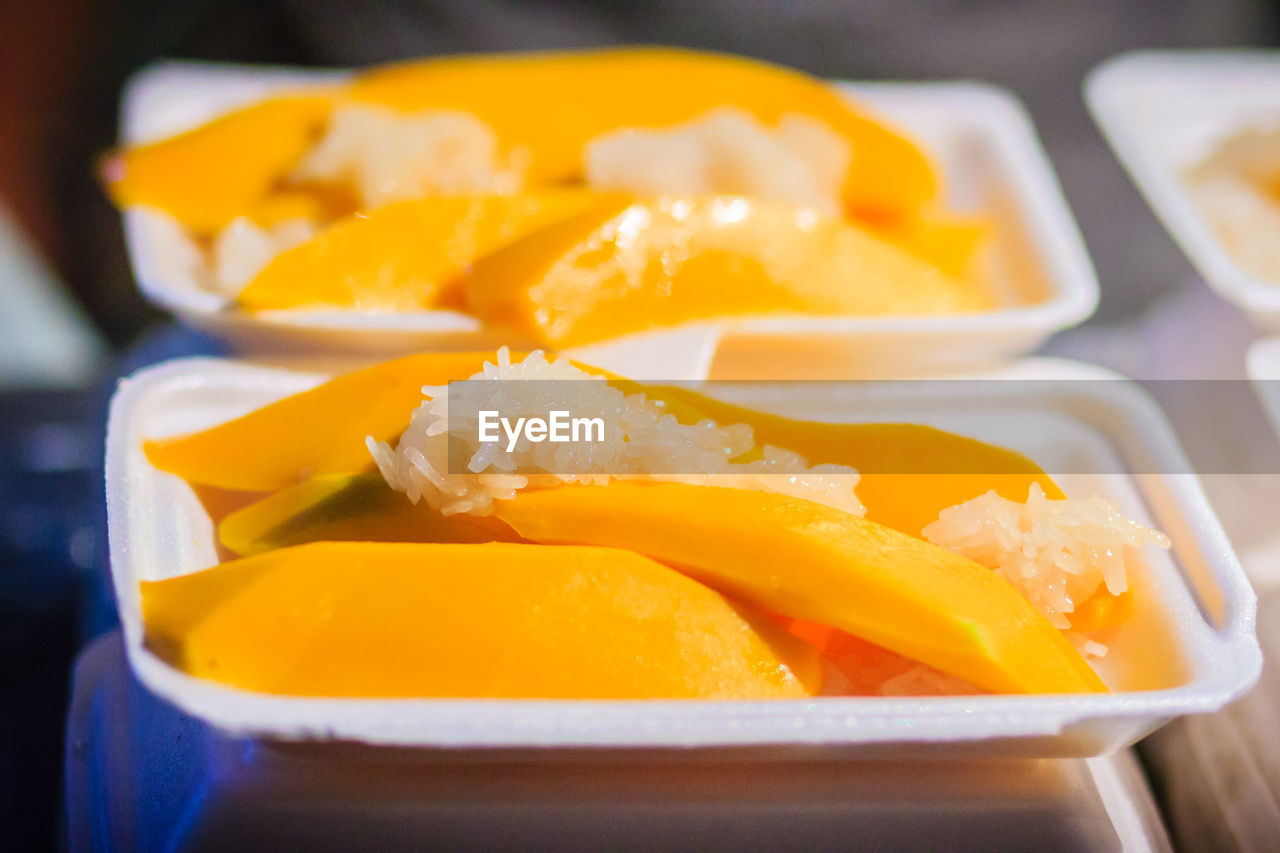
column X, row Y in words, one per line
column 482, row 621
column 807, row 561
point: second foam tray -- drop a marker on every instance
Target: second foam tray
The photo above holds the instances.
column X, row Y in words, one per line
column 980, row 135
column 1190, row 646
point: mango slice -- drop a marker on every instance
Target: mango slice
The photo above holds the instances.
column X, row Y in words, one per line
column 351, row 508
column 949, row 241
column 665, row 261
column 486, row 621
column 312, row 203
column 208, row 176
column 909, row 472
column 548, row 105
column 401, row 256
column 553, row 103
column 319, row 431
column 807, row 561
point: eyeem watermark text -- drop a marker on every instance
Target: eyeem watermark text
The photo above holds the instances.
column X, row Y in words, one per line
column 557, row 427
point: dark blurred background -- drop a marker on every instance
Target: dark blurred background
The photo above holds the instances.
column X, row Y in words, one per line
column 71, row 320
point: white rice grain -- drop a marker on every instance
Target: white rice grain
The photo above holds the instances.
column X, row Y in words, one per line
column 1057, row 553
column 243, row 248
column 1237, row 189
column 643, row 438
column 727, row 151
column 387, row 156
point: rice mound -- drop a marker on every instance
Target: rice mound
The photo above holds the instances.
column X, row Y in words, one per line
column 241, row 249
column 1243, row 217
column 726, row 151
column 645, row 437
column 1056, row 553
column 388, row 156
column 1237, row 190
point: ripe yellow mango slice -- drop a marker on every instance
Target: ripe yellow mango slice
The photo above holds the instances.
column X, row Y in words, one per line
column 401, row 257
column 311, row 203
column 549, row 105
column 319, row 431
column 807, row 561
column 349, row 508
column 208, row 176
column 948, row 241
column 553, row 103
column 495, row 621
column 660, row 262
column 909, row 472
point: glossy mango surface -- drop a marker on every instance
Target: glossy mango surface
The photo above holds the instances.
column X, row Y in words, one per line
column 485, row 621
column 803, row 560
column 213, row 173
column 404, row 255
column 659, row 262
column 318, row 431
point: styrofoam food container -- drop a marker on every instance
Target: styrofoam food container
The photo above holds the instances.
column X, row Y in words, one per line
column 981, row 136
column 140, row 775
column 1163, row 112
column 1196, row 611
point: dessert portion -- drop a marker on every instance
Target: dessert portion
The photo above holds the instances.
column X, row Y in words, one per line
column 377, row 543
column 1237, row 189
column 650, row 186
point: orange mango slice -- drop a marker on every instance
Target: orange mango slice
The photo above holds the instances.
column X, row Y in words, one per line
column 807, row 561
column 208, row 176
column 949, row 241
column 549, row 105
column 553, row 103
column 909, row 472
column 487, row 621
column 350, row 508
column 319, row 431
column 312, row 204
column 401, row 256
column 660, row 262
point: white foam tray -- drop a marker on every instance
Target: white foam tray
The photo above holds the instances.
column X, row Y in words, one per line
column 1198, row 604
column 1162, row 112
column 981, row 136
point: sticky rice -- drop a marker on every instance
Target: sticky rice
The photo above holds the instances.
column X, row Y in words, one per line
column 1057, row 553
column 1237, row 189
column 801, row 161
column 387, row 156
column 243, row 248
column 642, row 438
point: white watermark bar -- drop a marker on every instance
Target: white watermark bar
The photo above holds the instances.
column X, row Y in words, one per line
column 573, row 427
